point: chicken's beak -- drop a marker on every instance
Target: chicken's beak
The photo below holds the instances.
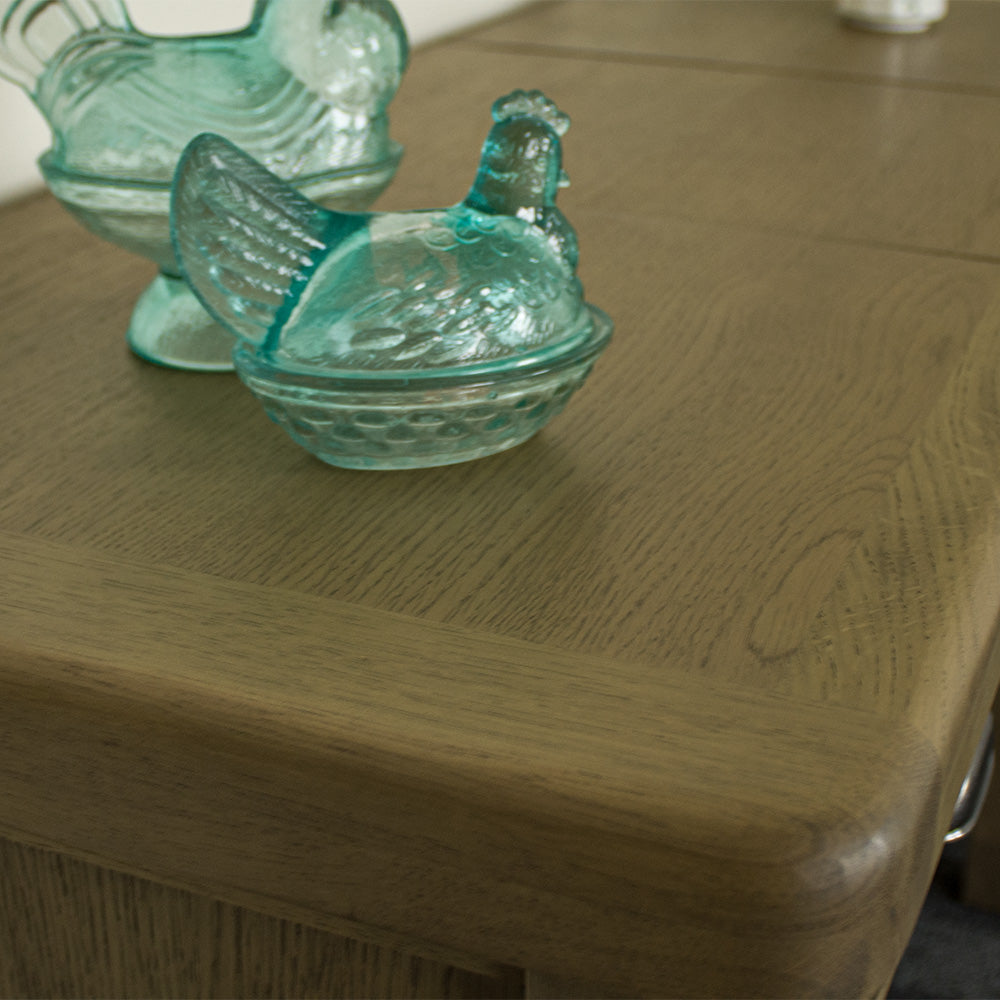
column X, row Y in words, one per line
column 563, row 179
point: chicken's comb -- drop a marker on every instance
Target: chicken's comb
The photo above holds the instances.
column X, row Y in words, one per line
column 532, row 104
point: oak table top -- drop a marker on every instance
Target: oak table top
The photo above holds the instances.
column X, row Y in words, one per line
column 674, row 698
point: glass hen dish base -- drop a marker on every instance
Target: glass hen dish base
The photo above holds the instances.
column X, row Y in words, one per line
column 169, row 326
column 357, row 420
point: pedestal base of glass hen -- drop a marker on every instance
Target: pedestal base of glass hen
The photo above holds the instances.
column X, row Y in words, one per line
column 169, row 326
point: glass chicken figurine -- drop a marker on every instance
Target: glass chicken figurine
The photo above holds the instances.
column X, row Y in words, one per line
column 304, row 88
column 397, row 340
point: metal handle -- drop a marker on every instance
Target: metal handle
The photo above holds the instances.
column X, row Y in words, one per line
column 972, row 794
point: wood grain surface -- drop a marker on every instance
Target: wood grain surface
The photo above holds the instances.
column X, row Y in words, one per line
column 765, row 37
column 674, row 698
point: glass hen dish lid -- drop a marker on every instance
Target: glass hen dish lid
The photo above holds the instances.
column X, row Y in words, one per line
column 431, row 293
column 405, row 324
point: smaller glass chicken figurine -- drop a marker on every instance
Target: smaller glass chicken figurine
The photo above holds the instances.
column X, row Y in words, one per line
column 398, row 340
column 304, row 88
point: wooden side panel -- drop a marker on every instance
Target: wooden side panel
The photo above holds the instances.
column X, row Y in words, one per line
column 72, row 929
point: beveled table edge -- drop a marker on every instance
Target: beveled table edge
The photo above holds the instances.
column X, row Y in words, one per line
column 567, row 820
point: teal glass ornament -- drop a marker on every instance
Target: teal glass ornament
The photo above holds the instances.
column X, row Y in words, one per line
column 304, row 88
column 406, row 339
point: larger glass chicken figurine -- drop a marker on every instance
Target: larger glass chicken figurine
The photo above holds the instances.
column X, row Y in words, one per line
column 304, row 88
column 397, row 340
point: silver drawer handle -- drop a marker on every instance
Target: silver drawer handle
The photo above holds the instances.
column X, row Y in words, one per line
column 972, row 794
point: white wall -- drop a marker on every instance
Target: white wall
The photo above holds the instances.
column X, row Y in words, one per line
column 24, row 134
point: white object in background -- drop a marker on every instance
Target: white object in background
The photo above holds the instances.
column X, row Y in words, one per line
column 24, row 136
column 900, row 16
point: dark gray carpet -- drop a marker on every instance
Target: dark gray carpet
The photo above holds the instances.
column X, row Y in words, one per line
column 954, row 953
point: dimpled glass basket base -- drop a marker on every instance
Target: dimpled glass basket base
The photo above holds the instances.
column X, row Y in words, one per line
column 393, row 424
